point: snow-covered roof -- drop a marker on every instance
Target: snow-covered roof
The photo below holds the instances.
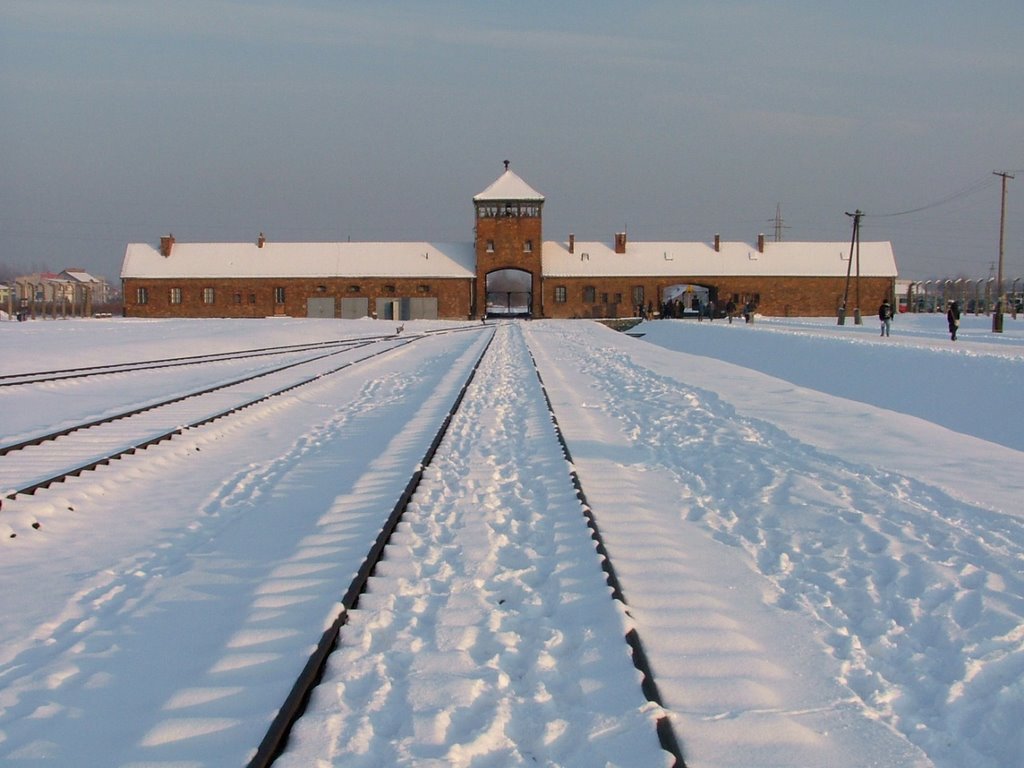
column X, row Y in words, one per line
column 509, row 186
column 80, row 275
column 283, row 260
column 458, row 260
column 779, row 259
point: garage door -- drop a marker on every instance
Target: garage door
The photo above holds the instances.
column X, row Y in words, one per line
column 320, row 307
column 353, row 309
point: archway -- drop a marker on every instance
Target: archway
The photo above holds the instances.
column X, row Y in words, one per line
column 509, row 293
column 686, row 299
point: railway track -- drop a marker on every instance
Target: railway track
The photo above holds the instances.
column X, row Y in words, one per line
column 65, row 374
column 83, row 372
column 44, row 459
column 430, row 504
column 364, row 530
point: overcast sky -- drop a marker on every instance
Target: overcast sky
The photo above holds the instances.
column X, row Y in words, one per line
column 323, row 120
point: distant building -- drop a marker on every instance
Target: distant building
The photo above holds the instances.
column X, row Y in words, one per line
column 99, row 289
column 509, row 269
column 71, row 292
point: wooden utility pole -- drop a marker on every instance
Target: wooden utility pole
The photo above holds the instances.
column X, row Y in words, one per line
column 997, row 316
column 854, row 242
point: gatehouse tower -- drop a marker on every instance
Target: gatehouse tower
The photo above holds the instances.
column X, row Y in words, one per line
column 508, row 242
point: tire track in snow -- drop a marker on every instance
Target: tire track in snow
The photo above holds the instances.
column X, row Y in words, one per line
column 902, row 578
column 488, row 632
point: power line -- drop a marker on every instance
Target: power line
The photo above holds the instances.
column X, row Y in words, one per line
column 985, row 181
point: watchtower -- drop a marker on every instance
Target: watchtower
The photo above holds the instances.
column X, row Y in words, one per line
column 508, row 247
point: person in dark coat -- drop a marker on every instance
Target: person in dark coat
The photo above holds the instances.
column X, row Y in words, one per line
column 885, row 317
column 953, row 319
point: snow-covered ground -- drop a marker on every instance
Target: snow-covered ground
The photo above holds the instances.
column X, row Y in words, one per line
column 817, row 531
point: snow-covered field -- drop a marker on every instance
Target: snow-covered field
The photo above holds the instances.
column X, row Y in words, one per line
column 818, row 534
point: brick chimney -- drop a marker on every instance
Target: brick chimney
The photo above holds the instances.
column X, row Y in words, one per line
column 620, row 242
column 718, row 242
column 166, row 243
column 572, row 243
column 260, row 240
column 760, row 243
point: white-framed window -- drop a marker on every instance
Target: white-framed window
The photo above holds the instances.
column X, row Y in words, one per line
column 175, row 295
column 208, row 295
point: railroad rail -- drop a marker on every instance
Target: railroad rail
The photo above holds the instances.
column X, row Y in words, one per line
column 277, row 736
column 32, row 464
column 64, row 374
column 81, row 372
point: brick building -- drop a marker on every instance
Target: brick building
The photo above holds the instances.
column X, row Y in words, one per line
column 508, row 269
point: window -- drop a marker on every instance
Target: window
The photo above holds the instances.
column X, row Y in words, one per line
column 589, row 294
column 208, row 295
column 638, row 295
column 528, row 246
column 604, row 298
column 490, row 246
column 142, row 296
column 238, row 298
column 423, row 288
column 353, row 289
column 175, row 295
column 560, row 294
column 252, row 298
column 279, row 295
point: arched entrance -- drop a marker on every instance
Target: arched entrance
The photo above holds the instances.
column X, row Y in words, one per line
column 509, row 293
column 687, row 299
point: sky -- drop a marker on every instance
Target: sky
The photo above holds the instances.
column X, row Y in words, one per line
column 324, row 121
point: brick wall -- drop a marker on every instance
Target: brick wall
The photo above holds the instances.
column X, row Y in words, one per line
column 256, row 297
column 776, row 296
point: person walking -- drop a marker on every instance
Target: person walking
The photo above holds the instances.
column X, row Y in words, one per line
column 885, row 317
column 953, row 319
